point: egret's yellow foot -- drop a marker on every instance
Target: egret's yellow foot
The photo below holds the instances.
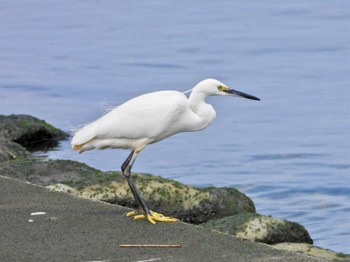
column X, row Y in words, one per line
column 152, row 218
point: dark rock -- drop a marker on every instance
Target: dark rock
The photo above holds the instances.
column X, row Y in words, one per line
column 260, row 228
column 10, row 150
column 27, row 130
column 50, row 172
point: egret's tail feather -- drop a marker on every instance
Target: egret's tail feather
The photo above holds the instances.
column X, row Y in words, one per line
column 77, row 147
column 83, row 147
column 83, row 136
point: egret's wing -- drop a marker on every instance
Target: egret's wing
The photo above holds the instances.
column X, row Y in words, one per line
column 147, row 116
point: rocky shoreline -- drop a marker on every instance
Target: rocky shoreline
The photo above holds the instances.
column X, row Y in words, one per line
column 222, row 209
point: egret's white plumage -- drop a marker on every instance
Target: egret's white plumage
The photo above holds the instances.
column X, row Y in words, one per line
column 149, row 118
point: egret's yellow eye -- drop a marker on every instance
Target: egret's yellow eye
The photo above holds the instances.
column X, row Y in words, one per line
column 220, row 88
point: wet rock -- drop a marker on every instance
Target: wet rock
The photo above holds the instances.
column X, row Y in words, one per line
column 313, row 251
column 27, row 130
column 10, row 150
column 49, row 172
column 172, row 198
column 260, row 228
column 167, row 196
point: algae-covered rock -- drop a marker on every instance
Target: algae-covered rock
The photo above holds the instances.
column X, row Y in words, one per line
column 187, row 203
column 260, row 228
column 10, row 150
column 17, row 131
column 313, row 251
column 51, row 172
column 166, row 196
column 27, row 130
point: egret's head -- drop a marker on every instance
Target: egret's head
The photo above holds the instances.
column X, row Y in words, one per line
column 213, row 87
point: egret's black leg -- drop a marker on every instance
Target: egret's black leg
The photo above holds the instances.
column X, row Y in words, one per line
column 126, row 171
column 146, row 213
column 127, row 161
column 140, row 201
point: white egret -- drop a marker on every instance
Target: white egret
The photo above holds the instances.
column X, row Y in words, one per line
column 147, row 119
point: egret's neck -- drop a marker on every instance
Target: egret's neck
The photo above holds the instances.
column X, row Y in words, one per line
column 203, row 110
column 197, row 100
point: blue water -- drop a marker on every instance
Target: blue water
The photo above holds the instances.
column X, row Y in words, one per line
column 63, row 60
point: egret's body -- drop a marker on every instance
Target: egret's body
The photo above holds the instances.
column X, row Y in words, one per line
column 144, row 120
column 150, row 118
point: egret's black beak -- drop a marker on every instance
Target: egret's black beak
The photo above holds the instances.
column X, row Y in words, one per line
column 241, row 94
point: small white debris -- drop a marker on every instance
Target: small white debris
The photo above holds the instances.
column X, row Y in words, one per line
column 149, row 260
column 37, row 213
column 30, row 220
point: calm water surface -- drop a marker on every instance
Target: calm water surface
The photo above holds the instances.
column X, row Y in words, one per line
column 63, row 61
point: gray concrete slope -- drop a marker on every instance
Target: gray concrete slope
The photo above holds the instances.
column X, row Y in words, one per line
column 76, row 229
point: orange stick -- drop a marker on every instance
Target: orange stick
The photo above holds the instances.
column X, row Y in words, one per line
column 151, row 245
